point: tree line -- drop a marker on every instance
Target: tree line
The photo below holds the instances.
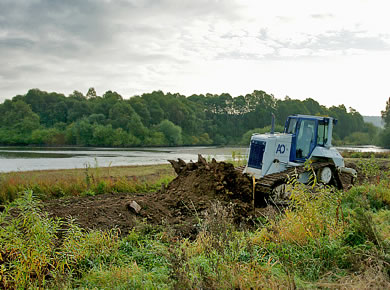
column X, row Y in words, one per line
column 384, row 135
column 159, row 119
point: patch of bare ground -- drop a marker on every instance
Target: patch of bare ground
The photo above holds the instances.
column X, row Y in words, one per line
column 180, row 206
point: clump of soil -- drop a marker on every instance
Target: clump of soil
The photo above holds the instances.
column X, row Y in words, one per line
column 209, row 178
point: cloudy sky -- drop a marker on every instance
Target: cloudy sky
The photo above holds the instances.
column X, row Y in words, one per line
column 336, row 52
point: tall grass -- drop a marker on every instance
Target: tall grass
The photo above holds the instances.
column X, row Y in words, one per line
column 238, row 159
column 354, row 154
column 324, row 239
column 33, row 254
column 89, row 181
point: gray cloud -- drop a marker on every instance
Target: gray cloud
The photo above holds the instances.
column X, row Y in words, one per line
column 341, row 40
column 336, row 42
column 90, row 39
column 130, row 45
column 76, row 29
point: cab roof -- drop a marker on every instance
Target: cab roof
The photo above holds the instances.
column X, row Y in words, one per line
column 320, row 118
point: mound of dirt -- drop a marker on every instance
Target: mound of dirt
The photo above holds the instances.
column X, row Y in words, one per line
column 209, row 178
column 180, row 205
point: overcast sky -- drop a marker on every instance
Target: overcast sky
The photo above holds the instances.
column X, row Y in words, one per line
column 336, row 52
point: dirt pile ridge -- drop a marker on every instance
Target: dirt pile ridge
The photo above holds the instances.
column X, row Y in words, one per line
column 209, row 178
column 180, row 205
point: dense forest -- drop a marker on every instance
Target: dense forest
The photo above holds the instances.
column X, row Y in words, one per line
column 160, row 119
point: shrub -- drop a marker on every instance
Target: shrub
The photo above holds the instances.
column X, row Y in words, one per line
column 368, row 168
column 27, row 243
column 306, row 238
column 34, row 251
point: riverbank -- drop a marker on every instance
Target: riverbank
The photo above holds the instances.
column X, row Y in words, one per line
column 15, row 159
column 92, row 180
column 48, row 184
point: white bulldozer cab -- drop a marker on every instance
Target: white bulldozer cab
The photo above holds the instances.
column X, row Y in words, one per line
column 304, row 137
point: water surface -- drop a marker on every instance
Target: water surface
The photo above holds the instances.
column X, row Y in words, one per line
column 37, row 158
column 26, row 159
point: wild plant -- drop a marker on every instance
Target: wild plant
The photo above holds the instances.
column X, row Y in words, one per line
column 220, row 256
column 237, row 158
column 35, row 249
column 83, row 182
column 369, row 168
column 27, row 240
column 233, row 156
column 89, row 178
column 306, row 236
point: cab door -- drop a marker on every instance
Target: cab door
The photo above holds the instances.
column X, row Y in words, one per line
column 304, row 140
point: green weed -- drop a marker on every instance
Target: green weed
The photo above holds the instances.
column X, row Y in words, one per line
column 325, row 238
column 238, row 159
column 38, row 251
column 369, row 168
column 354, row 154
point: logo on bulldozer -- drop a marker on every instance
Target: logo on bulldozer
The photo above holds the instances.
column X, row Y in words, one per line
column 281, row 148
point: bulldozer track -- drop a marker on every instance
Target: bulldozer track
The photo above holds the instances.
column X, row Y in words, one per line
column 267, row 183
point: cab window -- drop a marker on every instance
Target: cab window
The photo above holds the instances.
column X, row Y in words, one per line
column 322, row 136
column 292, row 124
column 305, row 138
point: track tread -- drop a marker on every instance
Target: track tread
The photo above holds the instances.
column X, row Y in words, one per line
column 268, row 182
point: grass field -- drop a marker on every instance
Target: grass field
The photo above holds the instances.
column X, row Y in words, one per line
column 324, row 239
column 88, row 181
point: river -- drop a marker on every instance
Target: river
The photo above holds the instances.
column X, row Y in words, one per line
column 38, row 158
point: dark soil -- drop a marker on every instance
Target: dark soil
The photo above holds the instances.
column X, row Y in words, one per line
column 179, row 207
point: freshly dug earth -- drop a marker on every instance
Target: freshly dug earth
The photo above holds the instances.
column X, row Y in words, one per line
column 179, row 207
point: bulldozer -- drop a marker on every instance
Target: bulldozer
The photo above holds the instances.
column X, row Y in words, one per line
column 303, row 150
column 273, row 157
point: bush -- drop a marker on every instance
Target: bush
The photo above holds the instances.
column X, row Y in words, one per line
column 27, row 245
column 307, row 238
column 368, row 168
column 368, row 196
column 33, row 253
column 384, row 137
